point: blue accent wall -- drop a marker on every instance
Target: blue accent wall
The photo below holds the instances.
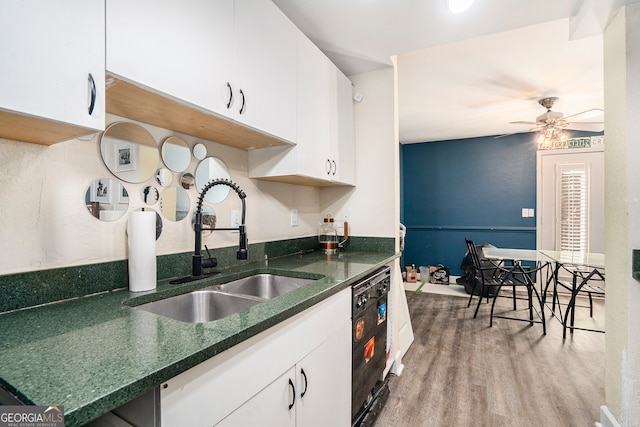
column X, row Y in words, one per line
column 474, row 188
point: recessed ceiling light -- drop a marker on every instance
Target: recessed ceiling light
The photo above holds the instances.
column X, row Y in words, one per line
column 459, row 6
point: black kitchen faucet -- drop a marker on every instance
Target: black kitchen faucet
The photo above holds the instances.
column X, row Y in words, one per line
column 198, row 264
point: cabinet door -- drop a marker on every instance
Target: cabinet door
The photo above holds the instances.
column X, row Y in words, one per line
column 53, row 59
column 183, row 49
column 324, row 383
column 344, row 147
column 265, row 78
column 273, row 406
column 316, row 110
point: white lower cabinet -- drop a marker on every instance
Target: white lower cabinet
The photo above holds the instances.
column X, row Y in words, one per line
column 313, row 393
column 255, row 382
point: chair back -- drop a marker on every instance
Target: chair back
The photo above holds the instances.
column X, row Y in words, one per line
column 473, row 253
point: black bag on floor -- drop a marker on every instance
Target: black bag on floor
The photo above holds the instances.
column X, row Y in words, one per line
column 468, row 279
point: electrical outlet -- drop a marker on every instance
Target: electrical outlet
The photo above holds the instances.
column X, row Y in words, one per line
column 235, row 218
column 294, row 217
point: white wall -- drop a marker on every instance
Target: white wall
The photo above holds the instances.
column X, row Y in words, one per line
column 371, row 205
column 44, row 222
column 622, row 213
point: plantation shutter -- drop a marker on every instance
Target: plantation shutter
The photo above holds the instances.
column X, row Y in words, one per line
column 574, row 207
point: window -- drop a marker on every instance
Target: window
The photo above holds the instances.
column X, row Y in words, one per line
column 573, row 207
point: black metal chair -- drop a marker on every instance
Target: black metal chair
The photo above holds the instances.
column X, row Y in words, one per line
column 487, row 271
column 494, row 276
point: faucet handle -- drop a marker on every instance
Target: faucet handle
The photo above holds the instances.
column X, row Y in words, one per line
column 210, row 262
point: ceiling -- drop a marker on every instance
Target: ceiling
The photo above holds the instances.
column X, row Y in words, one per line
column 470, row 74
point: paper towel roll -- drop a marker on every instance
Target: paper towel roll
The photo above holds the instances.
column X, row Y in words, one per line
column 141, row 232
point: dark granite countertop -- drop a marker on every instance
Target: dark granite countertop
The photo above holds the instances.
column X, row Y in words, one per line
column 95, row 353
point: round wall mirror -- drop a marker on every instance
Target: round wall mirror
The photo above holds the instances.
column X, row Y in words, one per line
column 187, row 181
column 107, row 199
column 208, row 219
column 176, row 154
column 199, row 151
column 150, row 195
column 175, row 203
column 208, row 169
column 129, row 151
column 164, row 177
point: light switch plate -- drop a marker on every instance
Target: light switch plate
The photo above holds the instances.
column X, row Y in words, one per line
column 294, row 217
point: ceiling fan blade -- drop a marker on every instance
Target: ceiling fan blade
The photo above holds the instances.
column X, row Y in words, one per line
column 522, row 122
column 587, row 114
column 589, row 127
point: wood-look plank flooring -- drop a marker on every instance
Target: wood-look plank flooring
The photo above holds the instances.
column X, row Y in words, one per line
column 460, row 372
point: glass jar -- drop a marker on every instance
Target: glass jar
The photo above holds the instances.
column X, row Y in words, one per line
column 328, row 236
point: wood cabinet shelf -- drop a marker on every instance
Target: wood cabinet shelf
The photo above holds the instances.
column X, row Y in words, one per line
column 135, row 102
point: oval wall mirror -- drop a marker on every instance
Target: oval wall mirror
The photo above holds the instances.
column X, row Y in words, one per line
column 187, row 181
column 176, row 154
column 208, row 219
column 199, row 151
column 150, row 195
column 208, row 169
column 107, row 199
column 175, row 203
column 129, row 152
column 164, row 177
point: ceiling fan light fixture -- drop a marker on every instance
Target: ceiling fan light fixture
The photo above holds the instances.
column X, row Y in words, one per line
column 459, row 6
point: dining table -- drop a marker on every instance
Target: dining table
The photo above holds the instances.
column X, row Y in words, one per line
column 580, row 267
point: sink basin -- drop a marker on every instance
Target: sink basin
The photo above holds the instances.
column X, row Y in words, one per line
column 199, row 306
column 223, row 300
column 264, row 286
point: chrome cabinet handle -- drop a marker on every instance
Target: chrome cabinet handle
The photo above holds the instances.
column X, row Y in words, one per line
column 230, row 95
column 328, row 167
column 293, row 389
column 243, row 102
column 306, row 383
column 335, row 167
column 92, row 88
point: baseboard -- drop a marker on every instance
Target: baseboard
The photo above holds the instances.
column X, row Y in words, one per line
column 606, row 418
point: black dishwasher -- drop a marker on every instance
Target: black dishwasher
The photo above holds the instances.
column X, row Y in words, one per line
column 369, row 338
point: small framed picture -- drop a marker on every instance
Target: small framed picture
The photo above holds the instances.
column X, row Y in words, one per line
column 125, row 157
column 123, row 195
column 101, row 191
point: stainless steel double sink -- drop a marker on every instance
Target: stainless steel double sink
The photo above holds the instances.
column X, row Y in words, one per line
column 219, row 301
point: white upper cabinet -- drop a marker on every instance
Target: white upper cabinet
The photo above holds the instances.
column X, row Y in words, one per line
column 265, row 72
column 317, row 101
column 325, row 150
column 235, row 59
column 52, row 69
column 344, row 147
column 183, row 49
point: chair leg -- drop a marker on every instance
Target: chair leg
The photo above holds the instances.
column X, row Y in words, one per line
column 473, row 290
column 479, row 302
column 530, row 294
column 514, row 298
column 493, row 304
column 590, row 305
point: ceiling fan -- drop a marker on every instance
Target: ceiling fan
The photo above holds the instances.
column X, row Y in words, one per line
column 553, row 121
